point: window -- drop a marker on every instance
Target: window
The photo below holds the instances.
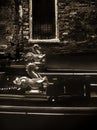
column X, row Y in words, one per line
column 43, row 19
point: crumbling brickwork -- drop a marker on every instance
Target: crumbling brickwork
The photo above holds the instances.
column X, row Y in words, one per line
column 25, row 19
column 7, row 20
column 77, row 26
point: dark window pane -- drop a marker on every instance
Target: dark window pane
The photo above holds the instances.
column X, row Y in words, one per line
column 43, row 19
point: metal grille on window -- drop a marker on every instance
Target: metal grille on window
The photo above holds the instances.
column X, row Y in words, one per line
column 43, row 24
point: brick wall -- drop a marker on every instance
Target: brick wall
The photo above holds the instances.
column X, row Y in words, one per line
column 7, row 21
column 77, row 25
column 10, row 26
column 25, row 20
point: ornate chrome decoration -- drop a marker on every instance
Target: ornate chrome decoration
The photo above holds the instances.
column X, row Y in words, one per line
column 35, row 55
column 35, row 81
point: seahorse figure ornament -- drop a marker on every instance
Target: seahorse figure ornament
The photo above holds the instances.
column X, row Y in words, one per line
column 35, row 55
column 36, row 81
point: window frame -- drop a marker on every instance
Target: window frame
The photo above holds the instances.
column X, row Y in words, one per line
column 56, row 39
